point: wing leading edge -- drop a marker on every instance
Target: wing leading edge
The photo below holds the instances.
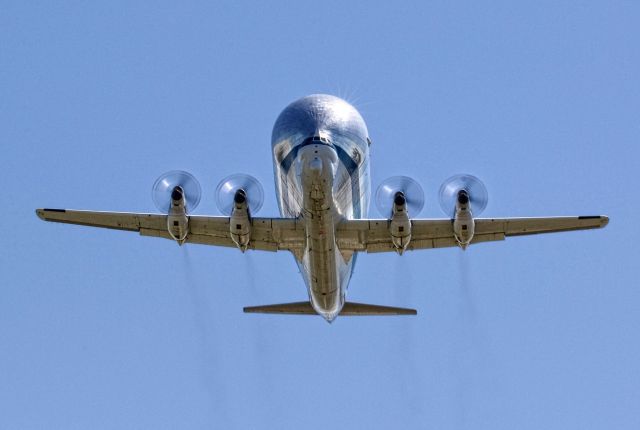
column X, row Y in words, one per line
column 373, row 235
column 273, row 234
column 267, row 234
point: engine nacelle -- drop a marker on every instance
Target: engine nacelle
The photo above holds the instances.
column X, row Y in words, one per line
column 463, row 223
column 177, row 219
column 400, row 225
column 240, row 221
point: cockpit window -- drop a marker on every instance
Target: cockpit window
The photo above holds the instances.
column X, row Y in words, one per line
column 320, row 139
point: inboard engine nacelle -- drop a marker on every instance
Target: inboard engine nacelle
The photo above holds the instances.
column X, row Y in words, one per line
column 239, row 196
column 240, row 221
column 400, row 225
column 400, row 196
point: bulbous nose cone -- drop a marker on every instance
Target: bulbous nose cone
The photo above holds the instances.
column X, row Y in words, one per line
column 317, row 113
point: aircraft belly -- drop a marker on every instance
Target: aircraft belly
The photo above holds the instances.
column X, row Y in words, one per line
column 325, row 270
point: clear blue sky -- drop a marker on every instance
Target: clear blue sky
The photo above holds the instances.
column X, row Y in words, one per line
column 105, row 329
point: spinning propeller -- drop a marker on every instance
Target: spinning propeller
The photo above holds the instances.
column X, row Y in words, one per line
column 389, row 189
column 229, row 186
column 178, row 181
column 473, row 189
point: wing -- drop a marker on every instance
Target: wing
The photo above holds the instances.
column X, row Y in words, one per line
column 373, row 235
column 267, row 234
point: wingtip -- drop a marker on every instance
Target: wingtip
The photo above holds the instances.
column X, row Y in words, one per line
column 595, row 221
column 42, row 213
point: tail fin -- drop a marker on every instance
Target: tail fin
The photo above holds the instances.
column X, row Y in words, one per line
column 349, row 309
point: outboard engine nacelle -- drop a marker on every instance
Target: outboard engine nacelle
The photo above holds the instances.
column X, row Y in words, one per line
column 177, row 219
column 465, row 196
column 174, row 193
column 463, row 223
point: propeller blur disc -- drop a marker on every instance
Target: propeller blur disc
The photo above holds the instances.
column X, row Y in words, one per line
column 164, row 185
column 226, row 191
column 386, row 192
column 478, row 195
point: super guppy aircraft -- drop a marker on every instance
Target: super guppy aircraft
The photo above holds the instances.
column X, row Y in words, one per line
column 320, row 149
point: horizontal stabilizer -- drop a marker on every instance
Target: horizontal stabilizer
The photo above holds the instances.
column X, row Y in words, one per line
column 349, row 309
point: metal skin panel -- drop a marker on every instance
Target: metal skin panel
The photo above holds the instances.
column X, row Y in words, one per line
column 332, row 132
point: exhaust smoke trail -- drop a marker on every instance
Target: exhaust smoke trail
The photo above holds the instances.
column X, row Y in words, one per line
column 467, row 344
column 261, row 338
column 204, row 323
column 251, row 272
column 467, row 307
column 402, row 284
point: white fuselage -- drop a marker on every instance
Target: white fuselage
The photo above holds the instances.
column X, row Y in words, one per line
column 321, row 164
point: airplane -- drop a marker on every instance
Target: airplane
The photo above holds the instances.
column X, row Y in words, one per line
column 320, row 147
